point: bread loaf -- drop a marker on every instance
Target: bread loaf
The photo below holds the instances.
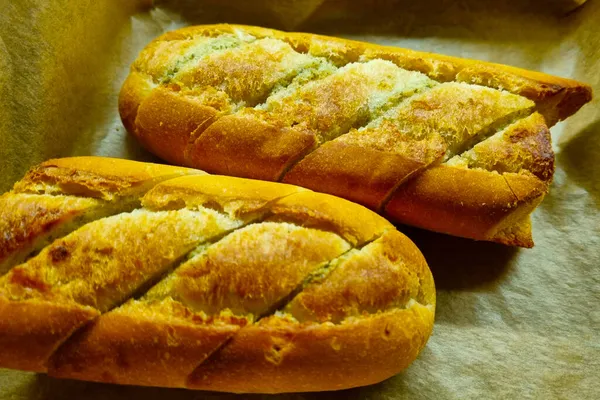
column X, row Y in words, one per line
column 204, row 282
column 451, row 145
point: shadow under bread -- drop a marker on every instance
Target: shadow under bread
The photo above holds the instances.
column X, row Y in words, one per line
column 579, row 158
column 136, row 151
column 48, row 388
column 467, row 275
column 458, row 263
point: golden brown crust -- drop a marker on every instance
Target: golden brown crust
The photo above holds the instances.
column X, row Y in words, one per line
column 525, row 145
column 280, row 356
column 331, row 213
column 397, row 275
column 542, row 88
column 167, row 122
column 48, row 202
column 254, row 280
column 99, row 265
column 97, row 177
column 526, row 188
column 366, row 165
column 235, row 196
column 25, row 219
column 135, row 89
column 263, row 150
column 30, row 331
column 565, row 94
column 268, row 262
column 165, row 352
column 276, row 201
column 91, row 268
column 556, row 98
column 357, row 173
column 434, row 200
column 271, row 260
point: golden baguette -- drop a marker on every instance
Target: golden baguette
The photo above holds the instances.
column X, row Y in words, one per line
column 208, row 282
column 447, row 144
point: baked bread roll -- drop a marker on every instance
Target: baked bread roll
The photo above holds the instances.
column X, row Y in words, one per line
column 206, row 282
column 447, row 144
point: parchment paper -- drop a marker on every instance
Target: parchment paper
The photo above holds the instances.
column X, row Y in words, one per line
column 510, row 323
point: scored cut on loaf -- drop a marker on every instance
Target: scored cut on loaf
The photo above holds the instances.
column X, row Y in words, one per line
column 447, row 144
column 61, row 195
column 207, row 282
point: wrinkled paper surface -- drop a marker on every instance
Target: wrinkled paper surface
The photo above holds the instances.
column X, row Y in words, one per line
column 509, row 324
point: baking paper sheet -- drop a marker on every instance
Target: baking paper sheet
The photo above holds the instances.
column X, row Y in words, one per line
column 509, row 324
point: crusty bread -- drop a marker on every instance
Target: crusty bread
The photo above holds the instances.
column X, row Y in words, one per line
column 385, row 127
column 208, row 282
column 58, row 196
